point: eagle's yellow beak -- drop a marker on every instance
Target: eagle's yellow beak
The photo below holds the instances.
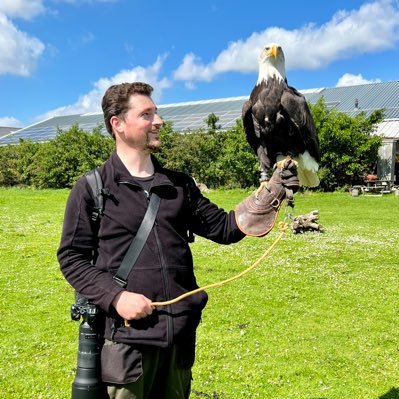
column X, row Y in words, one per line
column 273, row 51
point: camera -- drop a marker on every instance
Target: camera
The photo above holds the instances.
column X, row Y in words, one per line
column 87, row 383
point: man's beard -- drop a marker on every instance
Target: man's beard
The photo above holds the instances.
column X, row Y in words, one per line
column 152, row 144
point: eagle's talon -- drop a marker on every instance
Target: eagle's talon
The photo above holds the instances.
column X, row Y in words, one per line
column 262, row 186
column 281, row 164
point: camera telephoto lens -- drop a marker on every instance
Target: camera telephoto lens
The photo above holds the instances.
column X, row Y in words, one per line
column 87, row 383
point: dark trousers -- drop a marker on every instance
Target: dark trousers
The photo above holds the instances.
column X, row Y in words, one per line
column 158, row 376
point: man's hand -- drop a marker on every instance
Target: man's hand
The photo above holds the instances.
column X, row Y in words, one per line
column 132, row 306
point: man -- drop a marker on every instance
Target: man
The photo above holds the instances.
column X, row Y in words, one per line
column 152, row 355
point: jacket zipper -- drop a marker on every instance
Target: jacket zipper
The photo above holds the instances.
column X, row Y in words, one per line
column 169, row 326
column 165, row 283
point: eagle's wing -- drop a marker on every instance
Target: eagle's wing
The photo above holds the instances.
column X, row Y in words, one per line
column 253, row 131
column 252, row 137
column 295, row 105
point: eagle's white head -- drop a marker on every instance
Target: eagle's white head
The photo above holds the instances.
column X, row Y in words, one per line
column 271, row 63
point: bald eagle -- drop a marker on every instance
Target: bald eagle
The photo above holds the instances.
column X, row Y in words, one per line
column 278, row 122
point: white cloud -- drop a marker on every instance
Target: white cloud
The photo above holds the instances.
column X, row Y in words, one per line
column 80, row 2
column 25, row 9
column 371, row 28
column 87, row 38
column 91, row 102
column 8, row 121
column 28, row 9
column 349, row 79
column 19, row 52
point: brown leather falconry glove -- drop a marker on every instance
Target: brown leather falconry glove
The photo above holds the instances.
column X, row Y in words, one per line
column 257, row 214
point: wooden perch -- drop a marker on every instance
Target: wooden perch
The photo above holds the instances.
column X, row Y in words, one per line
column 308, row 222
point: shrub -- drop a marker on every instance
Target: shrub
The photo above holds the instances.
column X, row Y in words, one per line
column 349, row 150
column 54, row 164
column 216, row 158
column 60, row 162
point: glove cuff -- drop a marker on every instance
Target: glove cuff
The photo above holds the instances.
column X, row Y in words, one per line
column 257, row 214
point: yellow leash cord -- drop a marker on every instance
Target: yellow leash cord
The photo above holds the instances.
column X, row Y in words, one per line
column 283, row 226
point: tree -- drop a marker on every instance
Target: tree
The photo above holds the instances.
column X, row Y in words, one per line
column 215, row 158
column 211, row 121
column 60, row 162
column 17, row 163
column 349, row 150
column 8, row 166
column 237, row 160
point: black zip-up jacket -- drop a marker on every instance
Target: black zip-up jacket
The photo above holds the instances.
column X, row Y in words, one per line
column 164, row 269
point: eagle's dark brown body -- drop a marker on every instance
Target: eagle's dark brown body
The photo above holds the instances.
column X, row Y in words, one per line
column 278, row 122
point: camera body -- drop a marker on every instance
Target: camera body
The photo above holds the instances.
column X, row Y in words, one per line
column 87, row 383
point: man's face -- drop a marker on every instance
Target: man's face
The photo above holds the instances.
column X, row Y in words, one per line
column 139, row 128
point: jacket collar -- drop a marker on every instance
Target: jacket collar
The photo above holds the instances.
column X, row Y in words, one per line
column 121, row 174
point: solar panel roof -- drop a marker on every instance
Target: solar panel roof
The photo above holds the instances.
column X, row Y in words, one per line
column 189, row 116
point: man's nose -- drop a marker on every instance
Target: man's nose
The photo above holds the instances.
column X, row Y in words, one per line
column 157, row 120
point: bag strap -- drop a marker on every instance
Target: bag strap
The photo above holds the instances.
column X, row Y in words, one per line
column 96, row 185
column 138, row 242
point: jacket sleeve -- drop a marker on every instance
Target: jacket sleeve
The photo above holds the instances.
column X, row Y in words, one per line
column 210, row 221
column 77, row 246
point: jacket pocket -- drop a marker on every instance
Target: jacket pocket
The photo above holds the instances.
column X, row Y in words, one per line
column 120, row 363
column 186, row 313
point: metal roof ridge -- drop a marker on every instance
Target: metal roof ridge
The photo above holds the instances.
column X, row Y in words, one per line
column 387, row 82
column 315, row 90
column 89, row 113
column 390, row 120
column 209, row 101
column 226, row 99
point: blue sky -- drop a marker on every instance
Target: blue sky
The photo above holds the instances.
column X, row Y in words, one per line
column 57, row 57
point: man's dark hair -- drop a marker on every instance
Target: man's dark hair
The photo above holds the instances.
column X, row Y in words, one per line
column 116, row 100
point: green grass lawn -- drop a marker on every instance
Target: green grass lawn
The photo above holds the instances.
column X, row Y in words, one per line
column 318, row 319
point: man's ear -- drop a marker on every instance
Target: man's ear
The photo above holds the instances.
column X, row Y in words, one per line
column 116, row 124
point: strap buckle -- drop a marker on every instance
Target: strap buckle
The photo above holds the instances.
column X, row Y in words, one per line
column 120, row 281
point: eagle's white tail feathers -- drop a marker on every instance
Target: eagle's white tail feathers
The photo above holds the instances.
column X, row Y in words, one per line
column 307, row 169
column 308, row 178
